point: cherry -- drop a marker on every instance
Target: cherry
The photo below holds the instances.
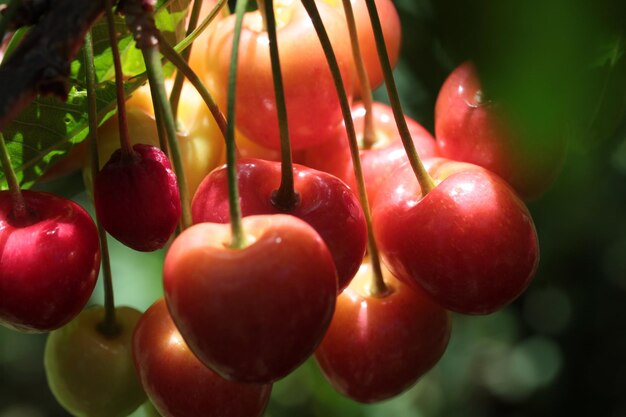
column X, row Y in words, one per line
column 470, row 243
column 379, row 345
column 49, row 262
column 249, row 149
column 197, row 58
column 313, row 110
column 90, row 373
column 252, row 314
column 324, row 202
column 200, row 141
column 470, row 127
column 390, row 22
column 136, row 198
column 380, row 158
column 199, row 138
column 141, row 129
column 178, row 384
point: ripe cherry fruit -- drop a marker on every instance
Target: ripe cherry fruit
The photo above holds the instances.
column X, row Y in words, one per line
column 141, row 129
column 252, row 314
column 379, row 158
column 470, row 243
column 392, row 32
column 313, row 109
column 91, row 373
column 200, row 141
column 178, row 384
column 471, row 128
column 49, row 262
column 136, row 198
column 379, row 345
column 324, row 202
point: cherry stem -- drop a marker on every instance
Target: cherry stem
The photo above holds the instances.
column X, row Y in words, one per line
column 160, row 123
column 19, row 209
column 286, row 197
column 188, row 40
column 177, row 88
column 109, row 325
column 369, row 134
column 264, row 12
column 424, row 179
column 127, row 149
column 185, row 70
column 238, row 235
column 379, row 287
column 162, row 107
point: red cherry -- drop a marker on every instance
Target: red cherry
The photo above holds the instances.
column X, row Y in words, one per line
column 313, row 109
column 378, row 346
column 470, row 243
column 249, row 149
column 48, row 264
column 251, row 314
column 392, row 33
column 177, row 383
column 471, row 129
column 386, row 153
column 325, row 203
column 137, row 200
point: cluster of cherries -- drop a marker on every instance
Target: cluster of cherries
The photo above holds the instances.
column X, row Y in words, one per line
column 241, row 313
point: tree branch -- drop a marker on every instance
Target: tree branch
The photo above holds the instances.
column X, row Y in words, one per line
column 41, row 63
column 29, row 12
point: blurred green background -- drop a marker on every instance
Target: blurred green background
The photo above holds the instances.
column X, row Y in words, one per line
column 560, row 349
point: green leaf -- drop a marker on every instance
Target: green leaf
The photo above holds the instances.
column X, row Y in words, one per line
column 169, row 19
column 132, row 61
column 609, row 53
column 49, row 128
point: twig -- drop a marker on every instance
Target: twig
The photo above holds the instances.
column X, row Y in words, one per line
column 41, row 63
